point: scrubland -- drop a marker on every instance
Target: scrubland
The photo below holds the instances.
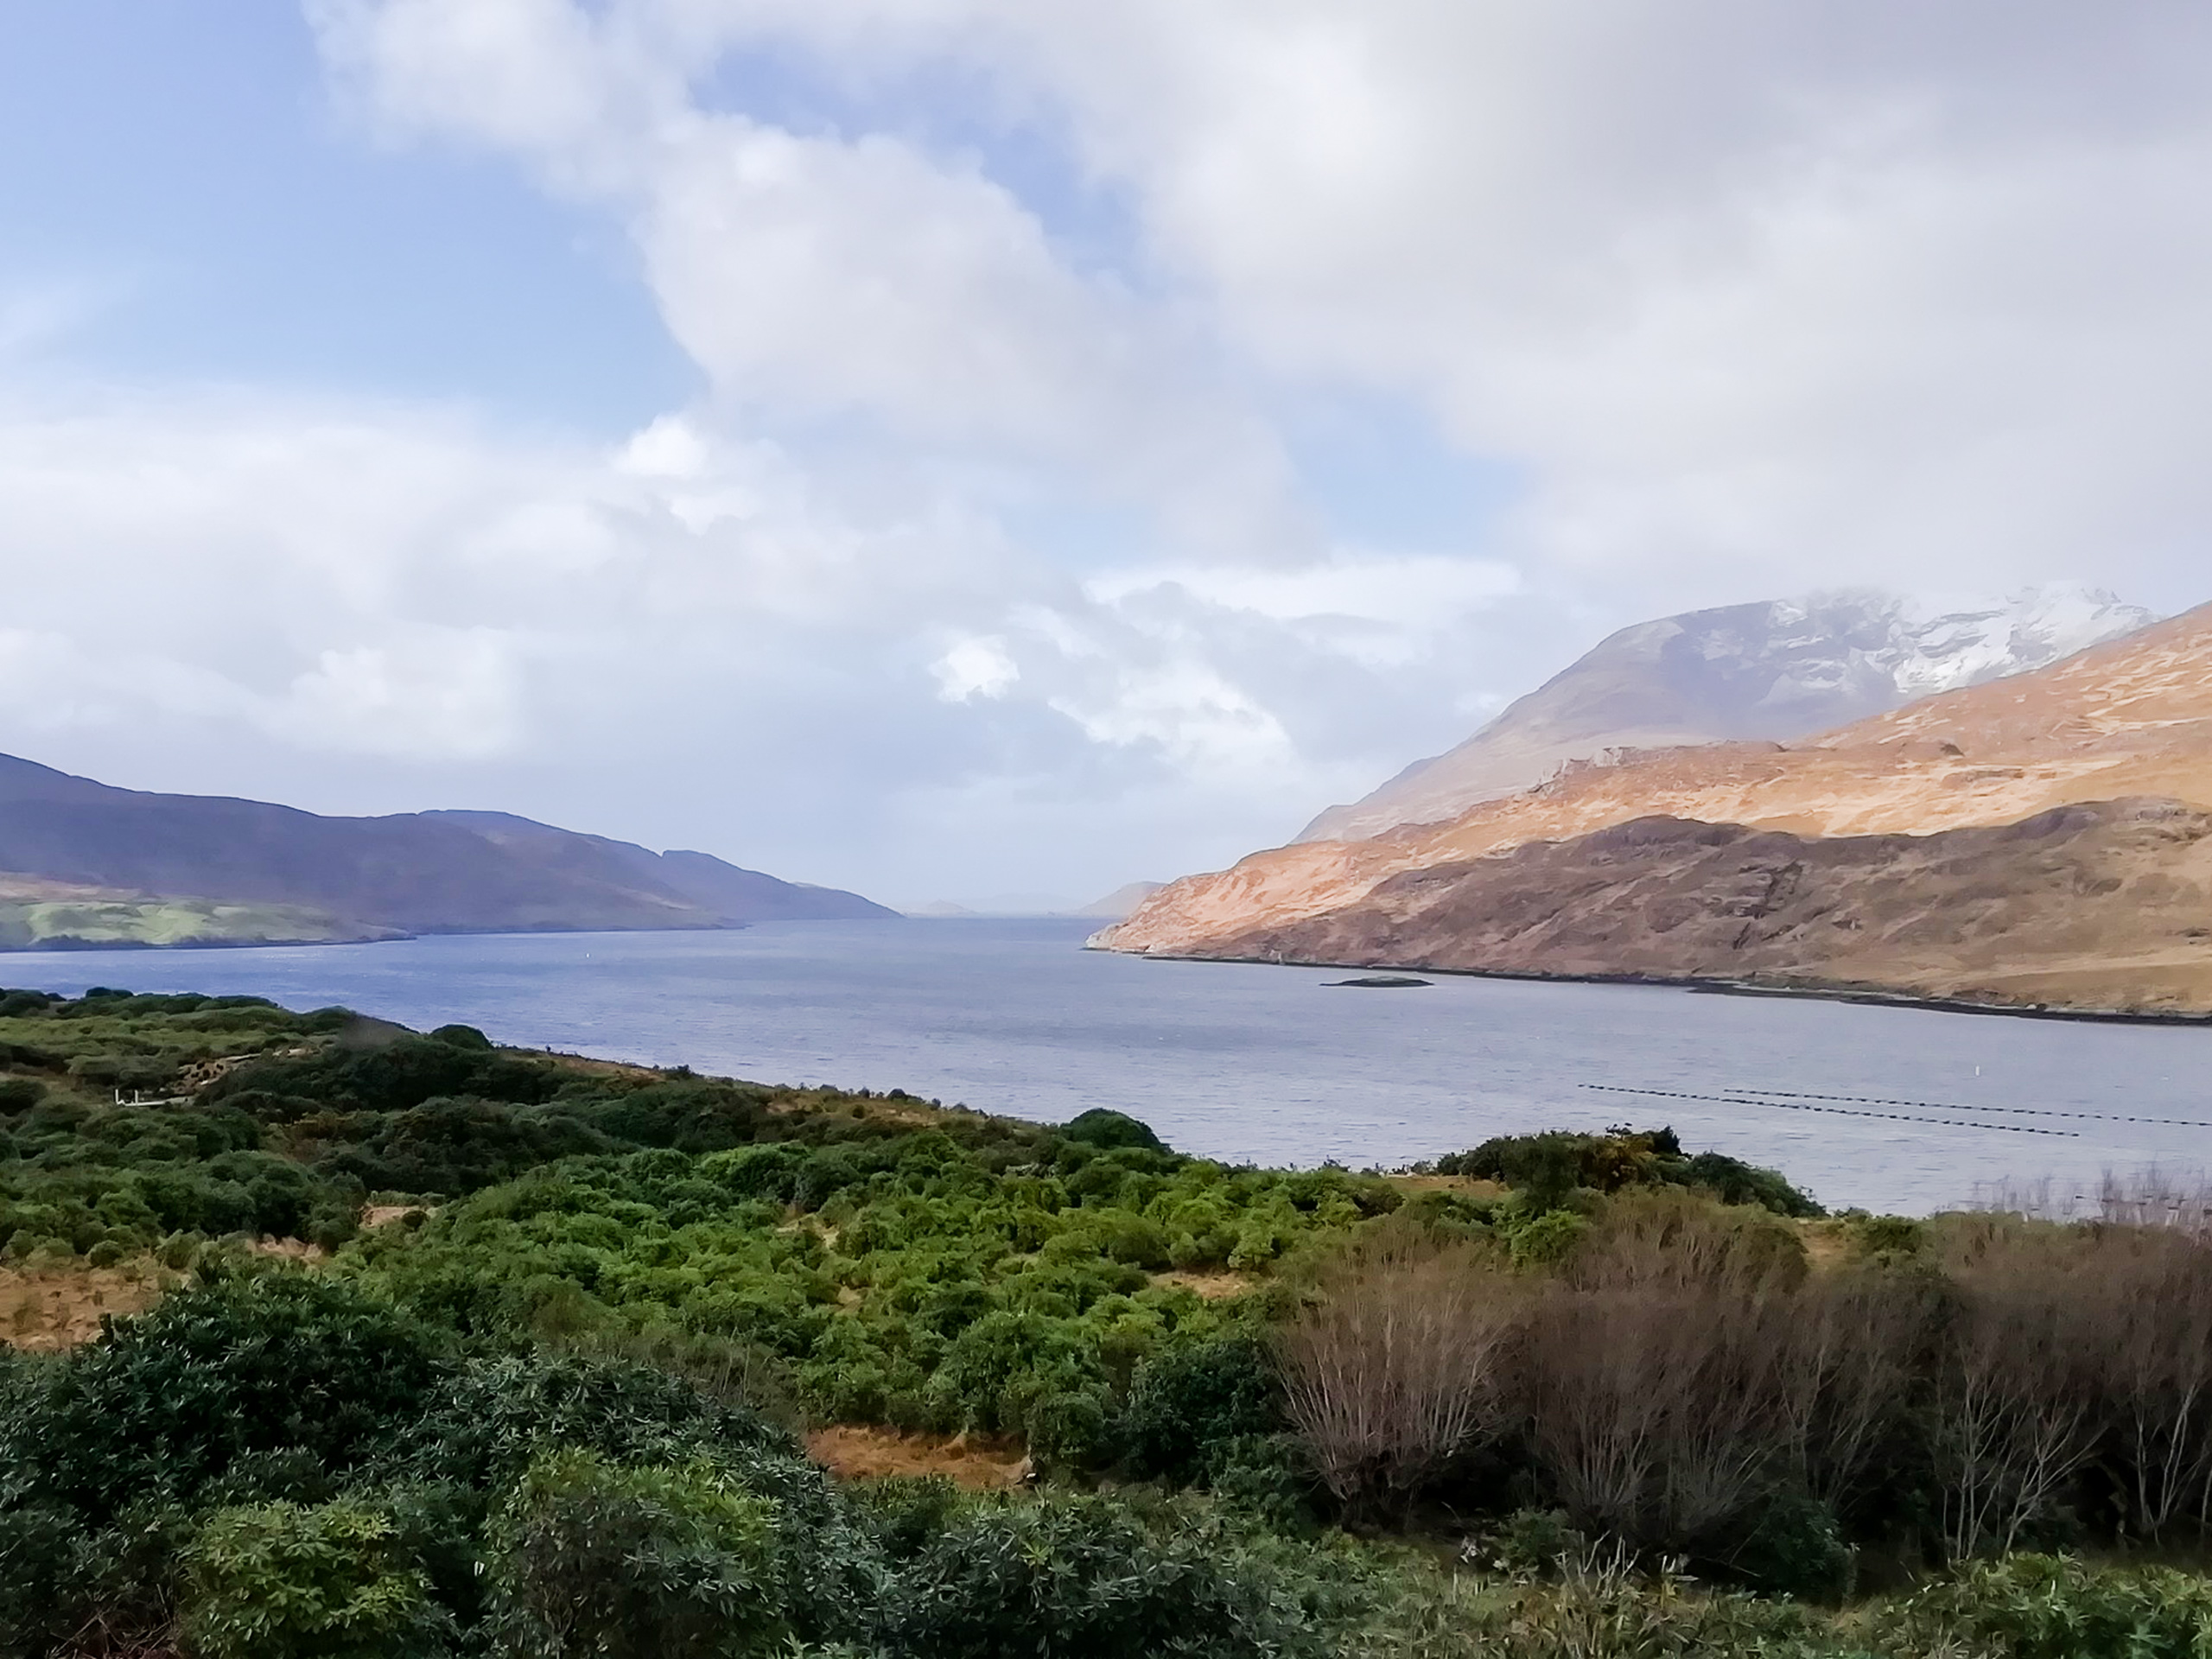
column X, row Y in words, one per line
column 345, row 1341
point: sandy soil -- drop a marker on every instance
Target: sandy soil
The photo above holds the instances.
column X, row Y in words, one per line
column 856, row 1452
column 1209, row 1286
column 46, row 1309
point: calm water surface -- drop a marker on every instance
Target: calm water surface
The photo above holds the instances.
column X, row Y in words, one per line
column 1270, row 1064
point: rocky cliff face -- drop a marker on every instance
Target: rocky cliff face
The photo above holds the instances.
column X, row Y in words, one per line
column 2125, row 720
column 1775, row 672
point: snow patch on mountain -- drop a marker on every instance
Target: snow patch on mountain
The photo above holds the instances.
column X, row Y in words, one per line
column 1777, row 669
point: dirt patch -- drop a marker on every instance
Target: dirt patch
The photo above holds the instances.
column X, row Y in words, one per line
column 1465, row 1186
column 855, row 1452
column 289, row 1249
column 1830, row 1246
column 383, row 1215
column 1210, row 1287
column 47, row 1309
column 592, row 1068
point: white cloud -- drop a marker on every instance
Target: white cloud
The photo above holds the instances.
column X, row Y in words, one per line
column 430, row 693
column 980, row 508
column 1416, row 592
column 1751, row 298
column 1187, row 710
column 822, row 276
column 975, row 667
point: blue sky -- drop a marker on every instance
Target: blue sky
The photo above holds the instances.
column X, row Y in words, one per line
column 194, row 195
column 957, row 447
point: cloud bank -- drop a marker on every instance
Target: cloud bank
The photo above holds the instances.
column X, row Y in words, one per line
column 1003, row 546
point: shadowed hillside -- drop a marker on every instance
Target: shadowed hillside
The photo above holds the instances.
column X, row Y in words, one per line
column 414, row 872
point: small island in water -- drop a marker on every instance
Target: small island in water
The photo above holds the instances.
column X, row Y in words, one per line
column 1380, row 982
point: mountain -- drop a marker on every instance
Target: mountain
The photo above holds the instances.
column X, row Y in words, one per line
column 1777, row 670
column 724, row 889
column 412, row 873
column 1120, row 902
column 2126, row 727
column 1993, row 916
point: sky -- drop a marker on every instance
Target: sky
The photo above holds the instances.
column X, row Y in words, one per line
column 962, row 449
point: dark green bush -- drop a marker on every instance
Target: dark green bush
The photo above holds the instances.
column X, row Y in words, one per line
column 279, row 1362
column 395, row 1077
column 1547, row 1169
column 588, row 1558
column 1187, row 1400
column 1793, row 1546
column 1733, row 1182
column 1081, row 1579
column 1110, row 1130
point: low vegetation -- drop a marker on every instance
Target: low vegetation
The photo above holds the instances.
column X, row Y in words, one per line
column 330, row 1339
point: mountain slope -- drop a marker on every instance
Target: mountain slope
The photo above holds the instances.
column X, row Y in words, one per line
column 415, row 873
column 2133, row 718
column 1777, row 670
column 1120, row 902
column 723, row 889
column 1994, row 916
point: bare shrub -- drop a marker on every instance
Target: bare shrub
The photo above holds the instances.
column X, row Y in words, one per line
column 1659, row 1416
column 1667, row 1241
column 2150, row 1292
column 2016, row 1396
column 2156, row 1198
column 2153, row 1198
column 1395, row 1369
column 1853, row 1349
column 1687, row 1370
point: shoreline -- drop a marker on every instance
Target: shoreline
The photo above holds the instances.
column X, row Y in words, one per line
column 1843, row 991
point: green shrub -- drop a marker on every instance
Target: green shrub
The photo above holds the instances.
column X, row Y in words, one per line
column 1080, row 1578
column 282, row 1581
column 1733, row 1182
column 1109, row 1131
column 1794, row 1547
column 588, row 1558
column 2057, row 1607
column 1542, row 1240
column 1191, row 1397
column 1532, row 1544
column 279, row 1362
column 489, row 1420
column 1546, row 1169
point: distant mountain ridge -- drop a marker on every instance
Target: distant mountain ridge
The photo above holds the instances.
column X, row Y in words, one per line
column 411, row 872
column 2042, row 841
column 1778, row 671
column 1121, row 903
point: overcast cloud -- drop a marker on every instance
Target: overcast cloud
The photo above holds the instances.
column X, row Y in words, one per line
column 1113, row 432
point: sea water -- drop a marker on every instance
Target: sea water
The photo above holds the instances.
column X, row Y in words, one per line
column 1896, row 1110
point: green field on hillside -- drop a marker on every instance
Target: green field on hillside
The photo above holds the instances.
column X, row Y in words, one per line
column 106, row 924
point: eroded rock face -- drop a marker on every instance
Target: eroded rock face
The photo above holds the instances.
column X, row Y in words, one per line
column 2127, row 720
column 1775, row 672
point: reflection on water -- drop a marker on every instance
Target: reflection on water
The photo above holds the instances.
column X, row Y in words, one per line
column 1890, row 1109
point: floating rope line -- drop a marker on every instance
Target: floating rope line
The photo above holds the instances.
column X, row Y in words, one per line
column 1839, row 1111
column 1953, row 1106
